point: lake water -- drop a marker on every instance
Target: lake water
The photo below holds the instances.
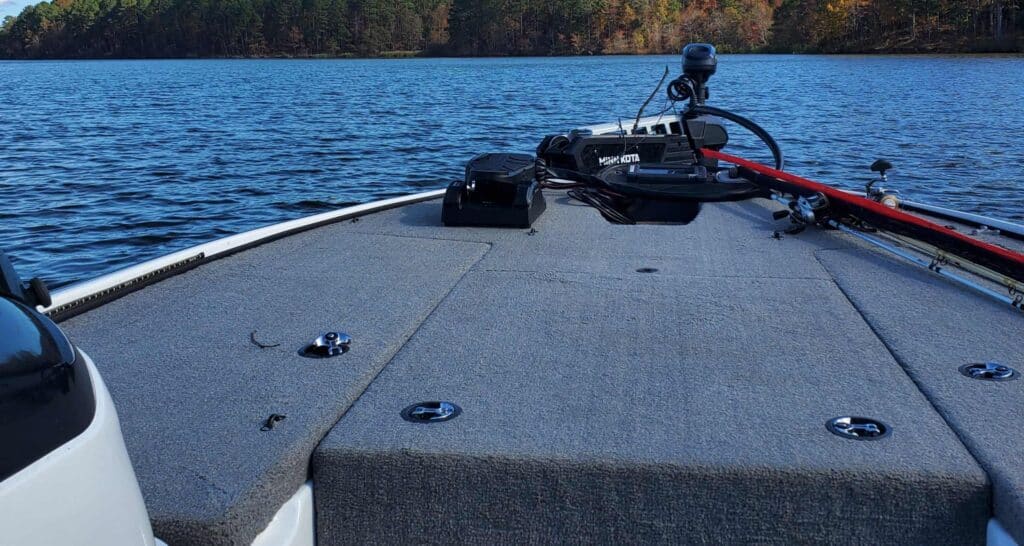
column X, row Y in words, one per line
column 107, row 163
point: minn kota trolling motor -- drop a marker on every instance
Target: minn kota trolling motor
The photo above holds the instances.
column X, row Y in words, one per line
column 633, row 177
column 639, row 177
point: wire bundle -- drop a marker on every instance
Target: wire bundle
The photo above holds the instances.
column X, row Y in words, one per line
column 603, row 203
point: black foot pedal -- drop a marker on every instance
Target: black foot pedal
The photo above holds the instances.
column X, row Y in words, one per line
column 499, row 190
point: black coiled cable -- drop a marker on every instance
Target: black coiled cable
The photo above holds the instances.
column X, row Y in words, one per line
column 595, row 192
column 682, row 89
column 679, row 90
column 759, row 132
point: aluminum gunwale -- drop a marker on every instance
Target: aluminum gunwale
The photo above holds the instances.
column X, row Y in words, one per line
column 1009, row 228
column 79, row 297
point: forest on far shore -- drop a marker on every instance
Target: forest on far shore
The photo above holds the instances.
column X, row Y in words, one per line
column 366, row 28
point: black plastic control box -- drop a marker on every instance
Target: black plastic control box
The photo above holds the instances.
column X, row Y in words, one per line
column 590, row 153
column 499, row 190
column 586, row 153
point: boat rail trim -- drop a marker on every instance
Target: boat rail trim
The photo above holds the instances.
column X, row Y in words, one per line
column 80, row 297
column 1009, row 229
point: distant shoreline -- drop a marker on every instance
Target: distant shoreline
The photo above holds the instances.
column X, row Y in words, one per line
column 417, row 55
column 373, row 29
column 435, row 54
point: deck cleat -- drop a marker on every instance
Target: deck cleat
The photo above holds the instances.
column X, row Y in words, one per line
column 431, row 412
column 857, row 428
column 989, row 371
column 328, row 345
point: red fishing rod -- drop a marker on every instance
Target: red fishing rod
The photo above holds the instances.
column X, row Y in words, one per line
column 842, row 205
column 617, row 190
column 817, row 203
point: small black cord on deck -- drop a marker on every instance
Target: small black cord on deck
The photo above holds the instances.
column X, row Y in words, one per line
column 252, row 338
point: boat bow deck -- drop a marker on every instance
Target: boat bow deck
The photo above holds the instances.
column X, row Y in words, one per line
column 601, row 403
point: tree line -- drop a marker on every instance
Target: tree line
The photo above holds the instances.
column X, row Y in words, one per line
column 254, row 28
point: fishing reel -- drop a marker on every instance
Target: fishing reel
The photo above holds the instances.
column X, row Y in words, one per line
column 889, row 198
column 803, row 211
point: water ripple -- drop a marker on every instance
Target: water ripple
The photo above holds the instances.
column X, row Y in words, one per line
column 108, row 163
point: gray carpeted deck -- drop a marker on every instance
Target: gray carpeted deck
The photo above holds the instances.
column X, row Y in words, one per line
column 601, row 404
column 606, row 405
column 933, row 328
column 192, row 390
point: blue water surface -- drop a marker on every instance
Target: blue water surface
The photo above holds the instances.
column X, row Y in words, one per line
column 107, row 163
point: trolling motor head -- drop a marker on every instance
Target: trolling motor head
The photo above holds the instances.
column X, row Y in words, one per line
column 699, row 63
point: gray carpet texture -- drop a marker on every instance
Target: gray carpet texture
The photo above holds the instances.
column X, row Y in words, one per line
column 193, row 391
column 684, row 405
column 933, row 327
column 619, row 384
column 726, row 240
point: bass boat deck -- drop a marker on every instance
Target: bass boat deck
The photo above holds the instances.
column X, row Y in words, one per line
column 617, row 384
column 773, row 367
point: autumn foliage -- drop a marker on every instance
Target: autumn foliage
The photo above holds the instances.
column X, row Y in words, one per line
column 203, row 28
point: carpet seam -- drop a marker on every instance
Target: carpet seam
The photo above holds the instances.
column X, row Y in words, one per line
column 917, row 385
column 401, row 347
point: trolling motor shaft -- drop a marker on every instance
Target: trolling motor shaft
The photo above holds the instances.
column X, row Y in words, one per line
column 700, row 62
